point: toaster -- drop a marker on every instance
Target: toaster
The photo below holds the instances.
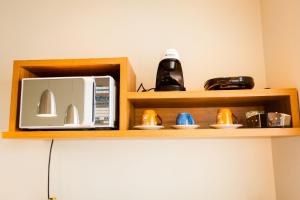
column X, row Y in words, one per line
column 68, row 103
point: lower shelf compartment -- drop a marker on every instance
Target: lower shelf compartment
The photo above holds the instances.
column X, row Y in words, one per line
column 152, row 134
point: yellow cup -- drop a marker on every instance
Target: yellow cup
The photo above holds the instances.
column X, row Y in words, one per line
column 150, row 118
column 224, row 116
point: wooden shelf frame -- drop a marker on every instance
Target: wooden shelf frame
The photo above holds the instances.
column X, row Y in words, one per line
column 131, row 101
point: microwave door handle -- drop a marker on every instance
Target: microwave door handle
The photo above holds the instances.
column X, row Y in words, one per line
column 94, row 104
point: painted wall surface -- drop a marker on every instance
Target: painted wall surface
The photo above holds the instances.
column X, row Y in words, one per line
column 214, row 38
column 282, row 47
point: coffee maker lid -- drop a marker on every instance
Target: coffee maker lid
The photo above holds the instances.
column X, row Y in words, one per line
column 171, row 53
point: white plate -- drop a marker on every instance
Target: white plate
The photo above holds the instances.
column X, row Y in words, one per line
column 185, row 126
column 147, row 127
column 225, row 126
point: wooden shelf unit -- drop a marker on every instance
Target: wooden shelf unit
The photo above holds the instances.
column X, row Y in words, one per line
column 201, row 104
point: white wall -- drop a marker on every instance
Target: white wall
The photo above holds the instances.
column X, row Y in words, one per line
column 214, row 38
column 282, row 47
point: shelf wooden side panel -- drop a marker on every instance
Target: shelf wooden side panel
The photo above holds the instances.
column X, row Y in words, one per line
column 153, row 134
column 295, row 108
column 127, row 84
column 18, row 74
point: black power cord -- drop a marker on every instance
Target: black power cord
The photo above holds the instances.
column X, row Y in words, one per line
column 49, row 162
column 143, row 88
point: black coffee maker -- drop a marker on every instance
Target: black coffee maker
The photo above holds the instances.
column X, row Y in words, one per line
column 169, row 75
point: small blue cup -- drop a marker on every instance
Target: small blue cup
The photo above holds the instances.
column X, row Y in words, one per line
column 185, row 118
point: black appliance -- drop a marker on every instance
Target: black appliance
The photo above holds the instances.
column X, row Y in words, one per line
column 256, row 119
column 169, row 75
column 230, row 83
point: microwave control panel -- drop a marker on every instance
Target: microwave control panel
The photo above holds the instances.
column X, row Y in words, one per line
column 105, row 102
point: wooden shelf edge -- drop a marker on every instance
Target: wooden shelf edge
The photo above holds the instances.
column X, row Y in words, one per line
column 211, row 94
column 152, row 134
column 72, row 62
column 60, row 134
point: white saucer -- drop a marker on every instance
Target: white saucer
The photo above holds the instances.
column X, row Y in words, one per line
column 185, row 126
column 148, row 127
column 226, row 126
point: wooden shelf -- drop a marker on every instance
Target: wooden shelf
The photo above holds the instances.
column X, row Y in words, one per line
column 209, row 98
column 164, row 133
column 202, row 104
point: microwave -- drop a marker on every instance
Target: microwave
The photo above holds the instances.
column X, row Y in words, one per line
column 68, row 103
